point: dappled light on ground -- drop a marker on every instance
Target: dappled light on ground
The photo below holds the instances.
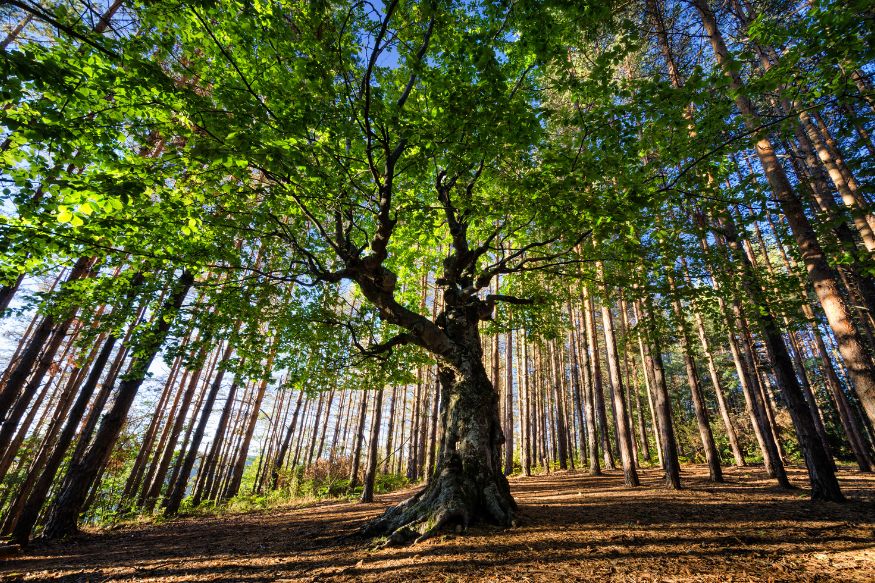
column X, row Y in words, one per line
column 575, row 527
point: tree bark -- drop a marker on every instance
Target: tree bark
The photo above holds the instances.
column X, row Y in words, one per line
column 357, row 446
column 823, row 481
column 596, row 378
column 653, row 360
column 468, row 483
column 699, row 409
column 179, row 485
column 64, row 514
column 371, row 470
column 623, row 431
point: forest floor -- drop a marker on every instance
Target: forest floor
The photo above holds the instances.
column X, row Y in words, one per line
column 574, row 527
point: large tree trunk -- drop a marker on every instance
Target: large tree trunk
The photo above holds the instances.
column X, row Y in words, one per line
column 468, row 483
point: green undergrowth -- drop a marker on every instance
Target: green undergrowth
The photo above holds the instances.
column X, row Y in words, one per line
column 294, row 490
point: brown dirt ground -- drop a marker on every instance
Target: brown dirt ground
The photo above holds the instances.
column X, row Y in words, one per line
column 575, row 527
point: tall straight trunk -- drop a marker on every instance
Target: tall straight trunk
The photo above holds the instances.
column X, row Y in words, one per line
column 632, row 377
column 508, row 404
column 208, row 470
column 557, row 391
column 653, row 360
column 415, row 418
column 823, row 481
column 81, row 475
column 848, row 418
column 338, row 422
column 748, row 379
column 24, row 379
column 279, row 460
column 844, row 183
column 357, row 446
column 577, row 394
column 534, row 421
column 388, row 455
column 25, row 399
column 728, row 425
column 433, row 425
column 302, row 431
column 31, row 496
column 155, row 462
column 233, row 451
column 23, row 515
column 202, row 394
column 852, row 425
column 649, row 383
column 270, row 444
column 315, row 435
column 180, row 484
column 152, row 489
column 240, row 462
column 794, row 347
column 371, row 470
column 596, row 376
column 423, row 427
column 624, row 433
column 588, row 393
column 525, row 408
column 699, row 409
column 60, row 412
column 567, row 399
column 324, row 431
column 401, row 441
column 136, row 475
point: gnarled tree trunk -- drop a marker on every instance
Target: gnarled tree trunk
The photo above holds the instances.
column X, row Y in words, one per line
column 468, row 484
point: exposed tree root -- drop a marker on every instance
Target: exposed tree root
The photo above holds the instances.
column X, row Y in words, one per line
column 455, row 498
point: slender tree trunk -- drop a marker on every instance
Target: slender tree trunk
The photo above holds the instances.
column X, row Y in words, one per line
column 24, row 379
column 357, row 447
column 389, row 429
column 596, row 376
column 653, row 360
column 371, row 470
column 525, row 408
column 208, row 469
column 823, row 278
column 633, row 382
column 180, row 484
column 508, row 404
column 279, row 460
column 240, row 462
column 624, row 432
column 699, row 409
column 153, row 486
column 574, row 349
column 64, row 514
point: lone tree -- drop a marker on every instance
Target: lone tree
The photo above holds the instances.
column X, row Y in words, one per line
column 352, row 143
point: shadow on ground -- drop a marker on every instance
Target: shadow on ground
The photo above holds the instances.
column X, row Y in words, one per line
column 574, row 527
